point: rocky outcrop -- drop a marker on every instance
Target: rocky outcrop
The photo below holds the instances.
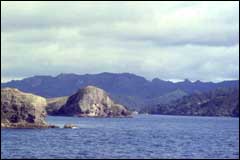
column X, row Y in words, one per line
column 92, row 102
column 54, row 104
column 70, row 126
column 22, row 110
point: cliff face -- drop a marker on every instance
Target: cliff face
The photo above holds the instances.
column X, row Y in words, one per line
column 22, row 110
column 92, row 102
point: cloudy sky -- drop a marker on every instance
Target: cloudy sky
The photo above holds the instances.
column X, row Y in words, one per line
column 169, row 40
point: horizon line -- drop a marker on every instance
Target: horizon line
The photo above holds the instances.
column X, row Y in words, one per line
column 173, row 80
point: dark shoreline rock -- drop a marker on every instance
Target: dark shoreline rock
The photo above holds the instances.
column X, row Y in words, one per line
column 70, row 126
column 27, row 126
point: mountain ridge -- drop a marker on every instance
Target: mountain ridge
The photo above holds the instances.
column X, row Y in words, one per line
column 128, row 89
column 121, row 73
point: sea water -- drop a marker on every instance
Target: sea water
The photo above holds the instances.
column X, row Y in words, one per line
column 143, row 136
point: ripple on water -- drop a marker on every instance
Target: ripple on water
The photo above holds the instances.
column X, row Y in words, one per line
column 139, row 137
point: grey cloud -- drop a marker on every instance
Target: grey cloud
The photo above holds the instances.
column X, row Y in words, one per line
column 64, row 14
column 149, row 39
column 130, row 21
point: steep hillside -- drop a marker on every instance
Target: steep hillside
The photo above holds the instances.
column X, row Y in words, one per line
column 219, row 102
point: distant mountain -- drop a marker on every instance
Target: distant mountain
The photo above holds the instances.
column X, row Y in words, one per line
column 128, row 89
column 166, row 98
column 219, row 102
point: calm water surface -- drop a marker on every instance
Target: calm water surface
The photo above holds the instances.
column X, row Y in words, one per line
column 144, row 136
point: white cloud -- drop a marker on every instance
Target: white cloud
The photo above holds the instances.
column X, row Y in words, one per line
column 169, row 40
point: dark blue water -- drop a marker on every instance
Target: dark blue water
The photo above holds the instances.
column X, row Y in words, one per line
column 144, row 136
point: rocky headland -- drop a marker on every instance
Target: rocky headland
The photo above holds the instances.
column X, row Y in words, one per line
column 22, row 110
column 25, row 110
column 91, row 101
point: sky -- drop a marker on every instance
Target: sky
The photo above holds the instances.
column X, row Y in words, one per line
column 168, row 40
